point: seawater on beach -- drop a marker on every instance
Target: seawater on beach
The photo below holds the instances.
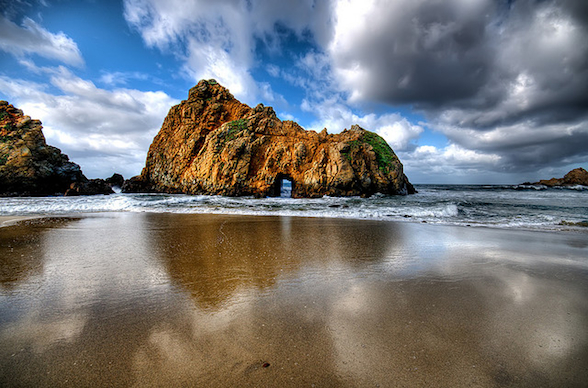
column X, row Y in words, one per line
column 147, row 299
column 514, row 207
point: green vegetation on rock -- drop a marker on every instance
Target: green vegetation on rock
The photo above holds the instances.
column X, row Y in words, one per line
column 6, row 139
column 351, row 146
column 384, row 155
column 235, row 127
column 238, row 124
column 9, row 127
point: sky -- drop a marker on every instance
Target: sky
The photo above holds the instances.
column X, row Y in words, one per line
column 464, row 91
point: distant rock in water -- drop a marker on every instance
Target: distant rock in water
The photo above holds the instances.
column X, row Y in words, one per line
column 96, row 186
column 577, row 176
column 30, row 167
column 214, row 144
column 89, row 187
column 116, row 180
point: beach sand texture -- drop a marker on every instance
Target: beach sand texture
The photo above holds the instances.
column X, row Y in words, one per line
column 145, row 299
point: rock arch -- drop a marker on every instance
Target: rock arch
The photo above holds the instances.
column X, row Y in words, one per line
column 277, row 187
column 214, row 144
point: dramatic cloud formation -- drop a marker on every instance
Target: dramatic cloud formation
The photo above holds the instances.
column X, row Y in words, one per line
column 424, row 51
column 499, row 78
column 470, row 88
column 217, row 39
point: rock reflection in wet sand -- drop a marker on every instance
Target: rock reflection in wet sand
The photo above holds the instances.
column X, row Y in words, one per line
column 184, row 300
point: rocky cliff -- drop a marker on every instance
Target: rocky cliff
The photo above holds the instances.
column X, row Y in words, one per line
column 213, row 144
column 28, row 166
column 577, row 176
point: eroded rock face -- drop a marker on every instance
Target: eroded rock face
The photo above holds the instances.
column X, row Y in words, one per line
column 214, row 144
column 30, row 167
column 577, row 176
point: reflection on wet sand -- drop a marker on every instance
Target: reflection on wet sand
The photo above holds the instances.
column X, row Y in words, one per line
column 19, row 245
column 216, row 257
column 184, row 300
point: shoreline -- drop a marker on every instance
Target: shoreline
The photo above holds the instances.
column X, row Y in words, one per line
column 11, row 220
column 452, row 205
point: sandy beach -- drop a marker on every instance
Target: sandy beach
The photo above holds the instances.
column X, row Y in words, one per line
column 11, row 220
column 145, row 299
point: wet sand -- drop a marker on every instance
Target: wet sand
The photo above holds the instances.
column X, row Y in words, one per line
column 11, row 220
column 135, row 300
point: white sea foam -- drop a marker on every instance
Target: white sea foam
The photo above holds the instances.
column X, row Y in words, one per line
column 498, row 206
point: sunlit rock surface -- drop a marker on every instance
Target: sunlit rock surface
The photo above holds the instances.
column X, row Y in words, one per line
column 214, row 144
column 577, row 176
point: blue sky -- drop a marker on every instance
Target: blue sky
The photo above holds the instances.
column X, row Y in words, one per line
column 465, row 91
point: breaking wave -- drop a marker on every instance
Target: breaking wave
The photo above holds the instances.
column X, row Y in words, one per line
column 495, row 206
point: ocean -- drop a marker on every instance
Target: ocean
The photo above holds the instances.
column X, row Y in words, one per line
column 500, row 206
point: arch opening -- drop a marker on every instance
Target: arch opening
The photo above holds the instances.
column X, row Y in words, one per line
column 283, row 187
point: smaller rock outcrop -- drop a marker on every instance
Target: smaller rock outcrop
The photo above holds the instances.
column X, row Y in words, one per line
column 116, row 180
column 96, row 186
column 136, row 184
column 90, row 187
column 28, row 166
column 31, row 167
column 577, row 176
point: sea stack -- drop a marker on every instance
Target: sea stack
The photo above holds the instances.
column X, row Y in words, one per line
column 213, row 144
column 31, row 167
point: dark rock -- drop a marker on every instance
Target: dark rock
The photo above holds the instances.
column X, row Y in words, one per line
column 28, row 166
column 90, row 187
column 136, row 185
column 116, row 180
column 583, row 224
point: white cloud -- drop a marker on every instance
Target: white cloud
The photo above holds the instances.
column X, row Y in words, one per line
column 335, row 116
column 104, row 131
column 31, row 38
column 528, row 145
column 287, row 116
column 450, row 162
column 216, row 39
column 121, row 78
column 205, row 62
column 273, row 70
column 397, row 130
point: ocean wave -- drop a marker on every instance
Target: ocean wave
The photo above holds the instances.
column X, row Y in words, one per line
column 458, row 205
column 518, row 187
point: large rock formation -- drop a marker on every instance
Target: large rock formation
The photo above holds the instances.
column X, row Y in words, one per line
column 577, row 176
column 28, row 166
column 214, row 144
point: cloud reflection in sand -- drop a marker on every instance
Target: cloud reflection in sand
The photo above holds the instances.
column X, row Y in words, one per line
column 183, row 299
